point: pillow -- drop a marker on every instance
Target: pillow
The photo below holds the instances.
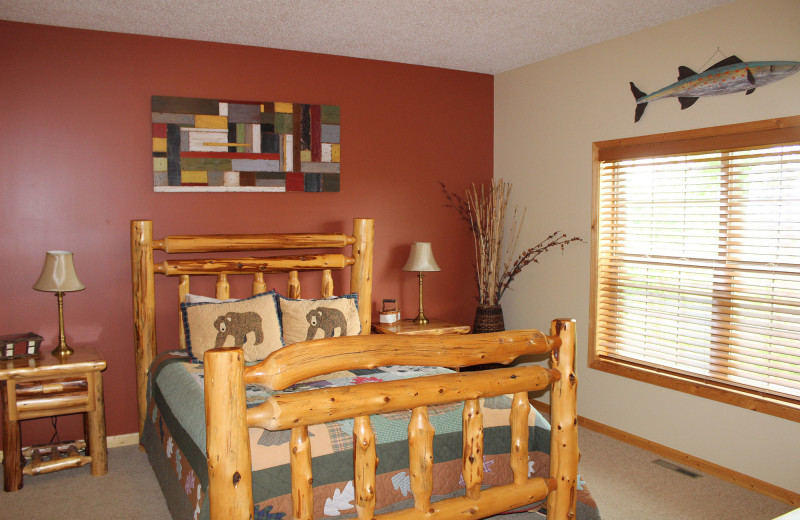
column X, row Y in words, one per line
column 302, row 320
column 251, row 323
column 197, row 298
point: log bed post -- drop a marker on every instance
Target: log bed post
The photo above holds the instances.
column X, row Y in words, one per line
column 563, row 424
column 144, row 309
column 364, row 467
column 301, row 477
column 420, row 458
column 472, row 454
column 361, row 272
column 520, row 410
column 230, row 478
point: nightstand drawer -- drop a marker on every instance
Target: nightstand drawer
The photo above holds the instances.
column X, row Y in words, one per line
column 47, row 397
column 56, row 386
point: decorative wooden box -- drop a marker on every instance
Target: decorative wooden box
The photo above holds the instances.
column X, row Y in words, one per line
column 19, row 345
column 389, row 313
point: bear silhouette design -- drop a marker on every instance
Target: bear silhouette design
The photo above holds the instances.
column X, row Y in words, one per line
column 326, row 319
column 238, row 324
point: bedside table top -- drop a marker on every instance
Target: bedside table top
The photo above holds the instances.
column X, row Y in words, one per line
column 433, row 327
column 45, row 364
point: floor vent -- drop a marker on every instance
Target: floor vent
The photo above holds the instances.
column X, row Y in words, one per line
column 673, row 467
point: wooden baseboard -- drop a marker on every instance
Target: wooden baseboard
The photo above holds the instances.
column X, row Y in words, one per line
column 112, row 441
column 759, row 486
column 126, row 439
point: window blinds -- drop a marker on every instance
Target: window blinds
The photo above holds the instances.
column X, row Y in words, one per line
column 698, row 264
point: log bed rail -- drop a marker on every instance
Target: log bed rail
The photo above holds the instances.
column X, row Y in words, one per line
column 228, row 419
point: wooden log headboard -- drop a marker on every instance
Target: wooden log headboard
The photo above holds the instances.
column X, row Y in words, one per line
column 144, row 270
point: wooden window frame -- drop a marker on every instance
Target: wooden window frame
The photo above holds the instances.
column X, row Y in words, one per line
column 758, row 133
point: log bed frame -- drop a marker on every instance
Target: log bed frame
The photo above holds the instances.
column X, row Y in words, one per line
column 228, row 419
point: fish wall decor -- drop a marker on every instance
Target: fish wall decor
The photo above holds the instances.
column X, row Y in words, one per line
column 726, row 77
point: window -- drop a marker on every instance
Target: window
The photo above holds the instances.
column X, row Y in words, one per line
column 696, row 272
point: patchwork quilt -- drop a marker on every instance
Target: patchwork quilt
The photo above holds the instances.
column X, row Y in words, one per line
column 174, row 437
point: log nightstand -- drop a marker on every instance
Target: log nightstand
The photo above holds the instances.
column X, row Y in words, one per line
column 409, row 327
column 43, row 386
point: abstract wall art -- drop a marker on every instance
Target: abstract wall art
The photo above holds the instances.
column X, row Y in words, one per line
column 244, row 146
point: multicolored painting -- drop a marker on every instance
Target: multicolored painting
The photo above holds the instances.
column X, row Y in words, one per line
column 241, row 146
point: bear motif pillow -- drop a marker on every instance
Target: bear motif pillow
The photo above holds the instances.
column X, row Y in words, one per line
column 251, row 324
column 304, row 320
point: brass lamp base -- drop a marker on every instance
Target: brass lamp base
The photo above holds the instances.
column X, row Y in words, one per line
column 420, row 319
column 62, row 349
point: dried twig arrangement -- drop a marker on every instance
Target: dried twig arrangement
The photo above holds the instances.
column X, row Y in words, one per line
column 484, row 209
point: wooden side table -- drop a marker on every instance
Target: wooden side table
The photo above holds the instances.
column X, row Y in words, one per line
column 43, row 386
column 409, row 327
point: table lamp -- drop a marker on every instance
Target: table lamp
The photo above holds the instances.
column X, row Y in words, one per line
column 421, row 260
column 58, row 276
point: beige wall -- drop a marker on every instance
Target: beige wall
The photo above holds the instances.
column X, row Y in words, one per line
column 547, row 115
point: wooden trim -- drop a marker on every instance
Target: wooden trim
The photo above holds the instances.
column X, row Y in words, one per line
column 754, row 133
column 752, row 400
column 595, row 251
column 721, row 472
column 125, row 439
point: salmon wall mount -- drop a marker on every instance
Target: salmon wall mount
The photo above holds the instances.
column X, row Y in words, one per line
column 729, row 76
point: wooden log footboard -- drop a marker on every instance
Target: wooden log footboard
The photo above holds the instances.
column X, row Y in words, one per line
column 228, row 419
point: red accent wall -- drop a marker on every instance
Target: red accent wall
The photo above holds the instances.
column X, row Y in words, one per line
column 75, row 163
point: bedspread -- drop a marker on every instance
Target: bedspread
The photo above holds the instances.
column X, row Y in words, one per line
column 174, row 437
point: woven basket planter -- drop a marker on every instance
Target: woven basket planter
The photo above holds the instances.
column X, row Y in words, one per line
column 488, row 318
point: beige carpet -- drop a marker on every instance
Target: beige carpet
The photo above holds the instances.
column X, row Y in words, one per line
column 128, row 492
column 628, row 486
column 623, row 480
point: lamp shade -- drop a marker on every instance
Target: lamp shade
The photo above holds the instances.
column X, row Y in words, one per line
column 421, row 258
column 58, row 274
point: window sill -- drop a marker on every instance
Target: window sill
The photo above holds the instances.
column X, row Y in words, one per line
column 785, row 408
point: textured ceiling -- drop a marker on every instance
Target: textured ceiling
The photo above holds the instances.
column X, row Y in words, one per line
column 488, row 36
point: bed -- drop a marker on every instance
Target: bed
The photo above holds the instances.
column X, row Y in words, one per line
column 396, row 430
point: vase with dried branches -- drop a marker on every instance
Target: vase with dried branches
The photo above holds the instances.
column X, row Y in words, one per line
column 497, row 263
